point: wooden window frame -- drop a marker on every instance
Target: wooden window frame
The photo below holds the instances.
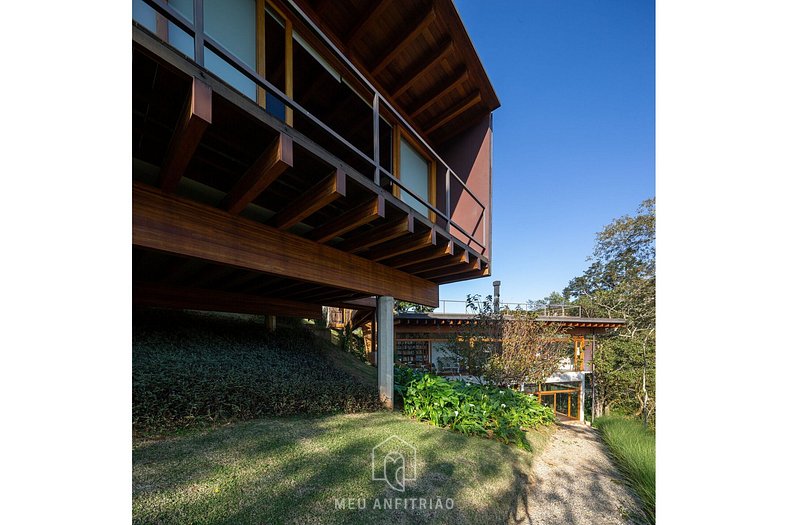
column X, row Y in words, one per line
column 402, row 134
column 278, row 10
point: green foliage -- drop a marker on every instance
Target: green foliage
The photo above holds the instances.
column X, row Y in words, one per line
column 621, row 283
column 634, row 449
column 404, row 306
column 503, row 414
column 352, row 343
column 509, row 348
column 193, row 370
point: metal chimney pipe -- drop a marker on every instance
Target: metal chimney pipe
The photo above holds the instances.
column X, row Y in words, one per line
column 496, row 296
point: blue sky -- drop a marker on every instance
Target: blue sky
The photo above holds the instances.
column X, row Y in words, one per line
column 573, row 143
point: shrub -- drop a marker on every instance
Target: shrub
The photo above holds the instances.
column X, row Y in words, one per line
column 194, row 369
column 503, row 414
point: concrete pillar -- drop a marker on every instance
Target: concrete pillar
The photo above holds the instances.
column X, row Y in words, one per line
column 385, row 343
column 270, row 323
column 582, row 407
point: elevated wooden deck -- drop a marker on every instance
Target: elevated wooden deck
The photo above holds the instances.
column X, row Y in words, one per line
column 236, row 210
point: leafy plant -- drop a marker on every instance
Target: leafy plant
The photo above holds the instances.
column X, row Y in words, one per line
column 473, row 409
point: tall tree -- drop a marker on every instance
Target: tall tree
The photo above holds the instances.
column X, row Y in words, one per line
column 621, row 282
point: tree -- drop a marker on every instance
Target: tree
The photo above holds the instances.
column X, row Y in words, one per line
column 404, row 306
column 530, row 351
column 621, row 283
column 510, row 348
column 472, row 345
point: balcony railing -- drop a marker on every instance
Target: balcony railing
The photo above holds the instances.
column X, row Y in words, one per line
column 203, row 41
column 551, row 310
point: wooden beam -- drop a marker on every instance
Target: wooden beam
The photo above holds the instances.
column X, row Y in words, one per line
column 241, row 280
column 426, row 254
column 360, row 317
column 411, row 243
column 361, row 304
column 326, row 294
column 208, row 275
column 350, row 220
column 417, row 71
column 437, row 264
column 195, row 119
column 403, row 42
column 324, row 193
column 374, row 11
column 288, row 286
column 276, row 158
column 456, row 111
column 473, row 265
column 179, row 226
column 473, row 274
column 151, row 294
column 432, row 98
column 378, row 235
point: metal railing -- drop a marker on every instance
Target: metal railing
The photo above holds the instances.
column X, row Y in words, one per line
column 548, row 310
column 203, row 41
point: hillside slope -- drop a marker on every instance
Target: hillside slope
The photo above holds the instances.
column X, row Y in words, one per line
column 194, row 369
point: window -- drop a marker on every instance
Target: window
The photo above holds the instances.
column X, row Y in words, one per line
column 232, row 24
column 414, row 174
column 167, row 31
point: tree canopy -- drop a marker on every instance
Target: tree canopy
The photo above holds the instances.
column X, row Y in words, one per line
column 620, row 282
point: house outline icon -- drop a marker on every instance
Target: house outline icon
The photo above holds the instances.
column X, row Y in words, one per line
column 403, row 451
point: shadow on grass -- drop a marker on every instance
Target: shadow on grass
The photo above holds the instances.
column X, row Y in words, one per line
column 300, row 469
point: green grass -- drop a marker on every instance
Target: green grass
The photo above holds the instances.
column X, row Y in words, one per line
column 291, row 469
column 634, row 449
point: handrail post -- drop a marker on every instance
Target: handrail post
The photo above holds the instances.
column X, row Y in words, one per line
column 199, row 33
column 448, row 193
column 376, row 135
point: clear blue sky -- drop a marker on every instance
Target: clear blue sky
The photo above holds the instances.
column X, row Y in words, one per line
column 573, row 142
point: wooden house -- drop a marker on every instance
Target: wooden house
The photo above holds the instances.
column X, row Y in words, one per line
column 289, row 154
column 421, row 341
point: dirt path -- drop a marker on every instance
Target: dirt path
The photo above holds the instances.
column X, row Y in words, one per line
column 574, row 482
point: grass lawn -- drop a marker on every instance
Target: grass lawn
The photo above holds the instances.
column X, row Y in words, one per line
column 291, row 469
column 634, row 449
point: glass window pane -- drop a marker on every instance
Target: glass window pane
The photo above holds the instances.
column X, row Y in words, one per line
column 180, row 40
column 184, row 7
column 144, row 14
column 232, row 24
column 443, row 359
column 414, row 175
